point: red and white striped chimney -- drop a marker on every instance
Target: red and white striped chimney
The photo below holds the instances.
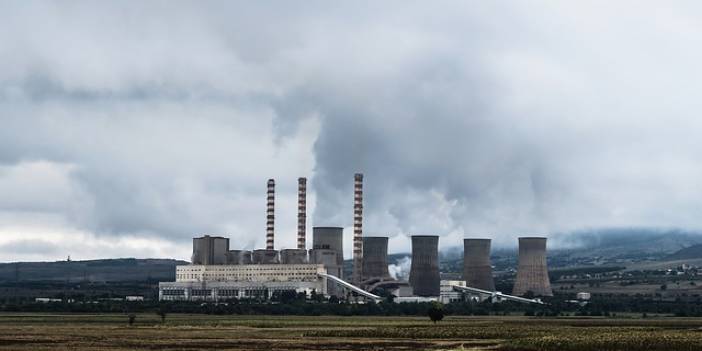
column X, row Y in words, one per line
column 270, row 215
column 301, row 212
column 357, row 228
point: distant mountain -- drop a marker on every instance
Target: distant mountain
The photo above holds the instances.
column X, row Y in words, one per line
column 692, row 252
column 624, row 243
column 107, row 270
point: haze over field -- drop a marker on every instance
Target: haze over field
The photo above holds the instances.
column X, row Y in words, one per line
column 128, row 128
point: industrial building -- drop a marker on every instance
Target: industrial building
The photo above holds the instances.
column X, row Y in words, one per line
column 210, row 250
column 477, row 271
column 532, row 272
column 217, row 273
column 260, row 281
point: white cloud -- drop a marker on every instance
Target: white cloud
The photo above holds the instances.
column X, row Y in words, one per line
column 161, row 121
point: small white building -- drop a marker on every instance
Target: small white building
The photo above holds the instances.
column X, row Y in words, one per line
column 134, row 298
column 584, row 296
column 46, row 300
column 447, row 294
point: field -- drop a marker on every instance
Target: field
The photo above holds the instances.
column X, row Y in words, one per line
column 197, row 332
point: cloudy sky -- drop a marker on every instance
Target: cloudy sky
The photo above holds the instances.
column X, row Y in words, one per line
column 127, row 128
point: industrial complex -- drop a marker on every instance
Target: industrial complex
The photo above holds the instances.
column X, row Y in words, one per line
column 218, row 273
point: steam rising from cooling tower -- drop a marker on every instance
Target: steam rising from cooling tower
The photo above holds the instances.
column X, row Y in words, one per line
column 477, row 271
column 270, row 215
column 424, row 274
column 357, row 228
column 301, row 212
column 532, row 273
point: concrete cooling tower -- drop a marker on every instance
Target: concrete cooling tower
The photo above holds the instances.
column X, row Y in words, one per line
column 477, row 271
column 210, row 250
column 424, row 272
column 532, row 273
column 263, row 256
column 330, row 238
column 375, row 258
column 293, row 256
column 237, row 257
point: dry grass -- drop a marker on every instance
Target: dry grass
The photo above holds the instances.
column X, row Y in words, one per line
column 198, row 332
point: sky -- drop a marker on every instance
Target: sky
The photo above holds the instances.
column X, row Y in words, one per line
column 127, row 128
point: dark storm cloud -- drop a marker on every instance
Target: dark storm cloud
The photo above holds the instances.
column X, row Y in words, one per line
column 163, row 120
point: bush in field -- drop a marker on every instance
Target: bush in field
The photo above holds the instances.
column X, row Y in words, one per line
column 436, row 311
column 131, row 317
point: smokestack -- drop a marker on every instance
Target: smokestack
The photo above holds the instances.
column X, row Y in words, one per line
column 270, row 215
column 357, row 228
column 301, row 212
column 532, row 273
column 477, row 271
column 424, row 272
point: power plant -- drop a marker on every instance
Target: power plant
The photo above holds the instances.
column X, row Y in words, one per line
column 218, row 273
column 532, row 273
column 477, row 271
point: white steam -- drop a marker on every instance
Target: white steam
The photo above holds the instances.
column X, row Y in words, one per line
column 401, row 268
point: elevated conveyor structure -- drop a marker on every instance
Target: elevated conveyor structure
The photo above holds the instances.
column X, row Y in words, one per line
column 496, row 295
column 350, row 286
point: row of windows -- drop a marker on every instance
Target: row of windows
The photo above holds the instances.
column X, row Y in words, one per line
column 249, row 275
column 174, row 292
column 201, row 292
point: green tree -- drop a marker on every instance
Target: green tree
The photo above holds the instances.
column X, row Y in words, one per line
column 436, row 311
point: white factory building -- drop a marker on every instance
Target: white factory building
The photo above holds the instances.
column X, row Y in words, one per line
column 260, row 281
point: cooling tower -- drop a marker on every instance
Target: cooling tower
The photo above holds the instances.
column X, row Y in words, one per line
column 236, row 257
column 210, row 250
column 477, row 271
column 265, row 256
column 329, row 259
column 424, row 272
column 329, row 238
column 293, row 256
column 375, row 257
column 357, row 228
column 301, row 213
column 532, row 273
column 270, row 214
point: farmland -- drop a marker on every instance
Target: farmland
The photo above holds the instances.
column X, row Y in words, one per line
column 195, row 332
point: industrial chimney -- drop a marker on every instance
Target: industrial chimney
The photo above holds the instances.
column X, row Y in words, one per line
column 532, row 273
column 424, row 272
column 357, row 228
column 301, row 212
column 375, row 258
column 477, row 271
column 270, row 215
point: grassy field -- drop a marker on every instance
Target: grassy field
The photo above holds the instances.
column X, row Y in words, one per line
column 196, row 332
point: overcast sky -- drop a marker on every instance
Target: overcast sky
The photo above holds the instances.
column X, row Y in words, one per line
column 127, row 128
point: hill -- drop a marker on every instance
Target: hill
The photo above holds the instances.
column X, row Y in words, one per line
column 692, row 252
column 107, row 270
